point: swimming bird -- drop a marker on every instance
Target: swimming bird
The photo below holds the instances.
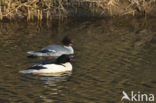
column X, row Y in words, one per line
column 62, row 65
column 55, row 50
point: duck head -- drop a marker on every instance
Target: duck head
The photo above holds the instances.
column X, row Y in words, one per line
column 64, row 59
column 67, row 41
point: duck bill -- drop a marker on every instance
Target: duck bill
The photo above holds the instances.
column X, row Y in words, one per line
column 72, row 61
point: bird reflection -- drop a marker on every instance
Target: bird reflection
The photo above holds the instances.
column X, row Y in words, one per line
column 52, row 83
column 53, row 79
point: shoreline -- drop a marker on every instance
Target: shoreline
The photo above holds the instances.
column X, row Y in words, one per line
column 52, row 10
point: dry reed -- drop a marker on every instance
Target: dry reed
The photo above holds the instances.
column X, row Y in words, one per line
column 39, row 9
column 30, row 9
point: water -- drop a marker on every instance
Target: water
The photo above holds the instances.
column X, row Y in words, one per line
column 112, row 55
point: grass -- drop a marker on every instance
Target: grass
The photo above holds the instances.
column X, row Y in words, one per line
column 126, row 7
column 30, row 9
column 39, row 9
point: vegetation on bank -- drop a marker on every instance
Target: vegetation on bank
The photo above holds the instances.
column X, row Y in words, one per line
column 30, row 9
column 39, row 9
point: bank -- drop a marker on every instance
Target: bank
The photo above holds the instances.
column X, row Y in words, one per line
column 50, row 9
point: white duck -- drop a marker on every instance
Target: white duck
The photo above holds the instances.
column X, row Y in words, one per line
column 55, row 50
column 62, row 65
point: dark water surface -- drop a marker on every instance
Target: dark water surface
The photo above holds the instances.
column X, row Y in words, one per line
column 112, row 55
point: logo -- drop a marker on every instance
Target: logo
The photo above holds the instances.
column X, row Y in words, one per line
column 138, row 96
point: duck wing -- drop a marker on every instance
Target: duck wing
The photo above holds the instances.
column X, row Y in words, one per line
column 51, row 50
column 36, row 67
